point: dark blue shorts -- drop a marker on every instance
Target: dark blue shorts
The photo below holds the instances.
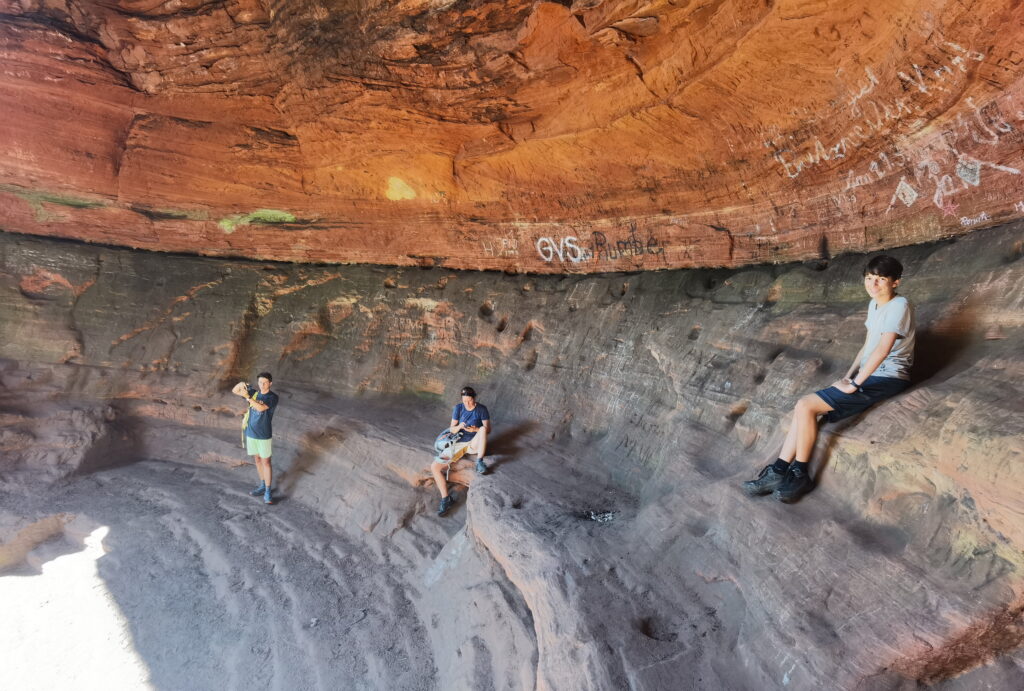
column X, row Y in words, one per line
column 873, row 390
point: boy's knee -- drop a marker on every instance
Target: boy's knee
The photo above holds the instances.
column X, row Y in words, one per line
column 812, row 404
column 807, row 402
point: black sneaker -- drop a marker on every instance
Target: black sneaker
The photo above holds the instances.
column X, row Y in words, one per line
column 481, row 467
column 446, row 503
column 767, row 482
column 797, row 484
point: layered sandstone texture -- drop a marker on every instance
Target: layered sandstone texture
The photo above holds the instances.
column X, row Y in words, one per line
column 585, row 136
column 611, row 546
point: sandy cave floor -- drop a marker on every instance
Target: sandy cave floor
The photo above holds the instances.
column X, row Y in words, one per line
column 208, row 588
column 169, row 575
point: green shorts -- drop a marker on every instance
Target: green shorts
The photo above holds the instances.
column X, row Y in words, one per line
column 257, row 447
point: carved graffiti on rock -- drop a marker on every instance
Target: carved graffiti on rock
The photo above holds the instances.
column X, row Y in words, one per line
column 632, row 246
column 502, row 247
column 874, row 115
column 940, row 166
column 600, row 247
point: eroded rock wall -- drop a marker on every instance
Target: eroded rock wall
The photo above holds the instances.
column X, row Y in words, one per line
column 628, row 408
column 526, row 136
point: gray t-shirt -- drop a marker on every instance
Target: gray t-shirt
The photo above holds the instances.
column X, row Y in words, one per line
column 896, row 316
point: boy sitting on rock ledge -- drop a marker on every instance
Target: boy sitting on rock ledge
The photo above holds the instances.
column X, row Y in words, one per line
column 880, row 370
column 474, row 421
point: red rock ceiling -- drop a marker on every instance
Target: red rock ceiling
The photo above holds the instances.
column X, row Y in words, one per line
column 525, row 136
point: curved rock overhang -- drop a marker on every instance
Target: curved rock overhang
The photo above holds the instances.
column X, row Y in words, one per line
column 522, row 136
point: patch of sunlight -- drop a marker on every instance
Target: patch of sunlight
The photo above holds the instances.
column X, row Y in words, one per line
column 399, row 190
column 63, row 629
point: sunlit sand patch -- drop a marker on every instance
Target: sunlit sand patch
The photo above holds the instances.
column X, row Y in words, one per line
column 63, row 629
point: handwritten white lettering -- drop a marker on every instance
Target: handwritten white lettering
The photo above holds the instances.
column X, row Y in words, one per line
column 980, row 218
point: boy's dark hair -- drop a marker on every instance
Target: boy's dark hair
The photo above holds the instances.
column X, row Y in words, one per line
column 265, row 375
column 468, row 391
column 884, row 265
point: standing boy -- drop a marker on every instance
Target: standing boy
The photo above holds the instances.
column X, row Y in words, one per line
column 475, row 422
column 880, row 370
column 262, row 403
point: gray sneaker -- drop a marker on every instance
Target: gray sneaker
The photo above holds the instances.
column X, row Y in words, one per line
column 481, row 467
column 767, row 482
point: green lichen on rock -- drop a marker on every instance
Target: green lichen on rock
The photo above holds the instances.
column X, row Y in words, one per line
column 262, row 216
column 36, row 199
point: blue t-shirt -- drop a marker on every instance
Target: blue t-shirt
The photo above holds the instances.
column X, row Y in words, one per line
column 472, row 418
column 259, row 420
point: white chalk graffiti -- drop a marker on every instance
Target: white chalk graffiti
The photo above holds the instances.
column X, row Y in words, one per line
column 905, row 193
column 873, row 115
column 938, row 164
column 969, row 170
column 566, row 248
column 632, row 246
column 980, row 218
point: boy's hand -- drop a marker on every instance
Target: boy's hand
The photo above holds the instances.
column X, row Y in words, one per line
column 845, row 385
column 470, row 428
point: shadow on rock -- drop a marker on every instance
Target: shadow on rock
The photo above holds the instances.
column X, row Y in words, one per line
column 509, row 442
column 941, row 345
column 311, row 452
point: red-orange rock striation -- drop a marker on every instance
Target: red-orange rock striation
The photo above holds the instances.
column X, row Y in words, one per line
column 524, row 136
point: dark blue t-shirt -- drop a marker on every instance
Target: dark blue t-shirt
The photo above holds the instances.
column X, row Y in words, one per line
column 259, row 420
column 472, row 418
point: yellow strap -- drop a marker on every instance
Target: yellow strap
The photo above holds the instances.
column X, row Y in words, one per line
column 245, row 418
column 248, row 409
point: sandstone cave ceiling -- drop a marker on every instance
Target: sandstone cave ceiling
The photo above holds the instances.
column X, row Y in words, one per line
column 522, row 136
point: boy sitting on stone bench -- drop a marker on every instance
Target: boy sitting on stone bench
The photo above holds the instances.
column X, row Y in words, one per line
column 880, row 370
